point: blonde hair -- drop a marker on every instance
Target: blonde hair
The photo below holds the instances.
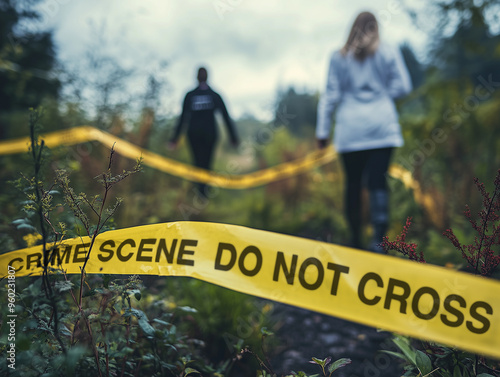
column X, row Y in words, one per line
column 363, row 39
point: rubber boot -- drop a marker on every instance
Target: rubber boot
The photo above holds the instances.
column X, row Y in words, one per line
column 379, row 211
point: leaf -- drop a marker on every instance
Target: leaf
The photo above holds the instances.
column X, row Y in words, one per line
column 456, row 372
column 320, row 362
column 64, row 330
column 143, row 321
column 20, row 221
column 146, row 327
column 27, row 227
column 127, row 350
column 485, row 375
column 339, row 364
column 136, row 293
column 63, row 286
column 71, row 359
column 191, row 370
column 187, row 309
column 395, row 354
column 161, row 322
column 404, row 345
column 423, row 362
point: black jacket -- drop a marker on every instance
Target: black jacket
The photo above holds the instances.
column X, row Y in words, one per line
column 198, row 110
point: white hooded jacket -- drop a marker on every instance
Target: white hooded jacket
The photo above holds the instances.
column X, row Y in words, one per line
column 362, row 94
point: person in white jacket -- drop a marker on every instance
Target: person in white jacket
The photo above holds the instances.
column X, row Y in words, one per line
column 364, row 79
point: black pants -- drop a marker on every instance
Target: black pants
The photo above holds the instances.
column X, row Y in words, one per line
column 363, row 167
column 202, row 147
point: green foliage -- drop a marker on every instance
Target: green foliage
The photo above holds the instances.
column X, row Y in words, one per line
column 27, row 59
column 415, row 68
column 80, row 325
column 330, row 367
column 226, row 321
column 87, row 325
column 482, row 258
column 439, row 361
column 110, row 335
column 326, row 365
column 446, row 120
column 297, row 111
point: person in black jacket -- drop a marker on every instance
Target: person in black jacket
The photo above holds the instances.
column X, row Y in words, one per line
column 198, row 110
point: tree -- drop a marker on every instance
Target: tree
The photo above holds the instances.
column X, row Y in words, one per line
column 463, row 45
column 297, row 111
column 26, row 59
column 459, row 102
column 415, row 68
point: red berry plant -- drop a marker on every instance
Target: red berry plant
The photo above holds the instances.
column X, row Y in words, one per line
column 480, row 254
column 483, row 257
column 401, row 246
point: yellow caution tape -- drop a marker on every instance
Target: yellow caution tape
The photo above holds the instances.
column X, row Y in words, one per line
column 86, row 133
column 419, row 300
column 285, row 170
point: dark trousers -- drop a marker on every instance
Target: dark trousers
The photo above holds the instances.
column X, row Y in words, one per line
column 367, row 167
column 202, row 146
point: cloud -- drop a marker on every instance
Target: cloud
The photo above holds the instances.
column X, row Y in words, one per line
column 252, row 47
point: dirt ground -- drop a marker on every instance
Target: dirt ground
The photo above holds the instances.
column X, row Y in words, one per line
column 303, row 334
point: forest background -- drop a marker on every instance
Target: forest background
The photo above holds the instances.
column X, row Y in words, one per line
column 449, row 121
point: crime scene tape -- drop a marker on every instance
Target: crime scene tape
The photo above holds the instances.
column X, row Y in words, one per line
column 423, row 301
column 288, row 169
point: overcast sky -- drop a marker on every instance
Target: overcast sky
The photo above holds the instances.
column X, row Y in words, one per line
column 250, row 47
